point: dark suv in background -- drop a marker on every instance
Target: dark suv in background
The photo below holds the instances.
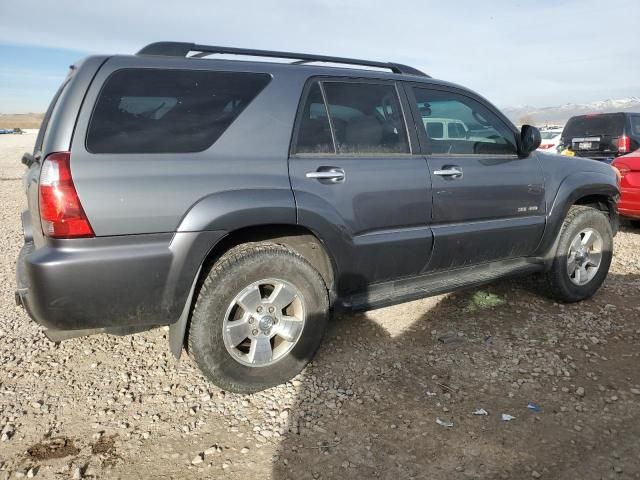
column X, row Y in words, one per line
column 602, row 136
column 240, row 202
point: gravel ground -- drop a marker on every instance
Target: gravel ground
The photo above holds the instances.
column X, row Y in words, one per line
column 122, row 407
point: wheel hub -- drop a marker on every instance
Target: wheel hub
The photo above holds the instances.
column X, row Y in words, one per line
column 584, row 256
column 265, row 323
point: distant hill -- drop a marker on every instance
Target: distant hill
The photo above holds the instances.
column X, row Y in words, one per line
column 21, row 120
column 560, row 114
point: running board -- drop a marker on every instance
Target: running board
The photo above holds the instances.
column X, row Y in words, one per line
column 427, row 285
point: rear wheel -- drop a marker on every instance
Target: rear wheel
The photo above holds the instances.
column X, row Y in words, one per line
column 259, row 318
column 583, row 255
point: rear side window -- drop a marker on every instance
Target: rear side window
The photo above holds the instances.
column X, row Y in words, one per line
column 47, row 116
column 594, row 126
column 364, row 118
column 168, row 111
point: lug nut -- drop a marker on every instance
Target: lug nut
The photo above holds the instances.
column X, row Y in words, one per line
column 259, row 309
column 251, row 320
column 271, row 309
column 254, row 332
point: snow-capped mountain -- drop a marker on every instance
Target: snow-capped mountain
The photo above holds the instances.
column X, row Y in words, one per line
column 560, row 114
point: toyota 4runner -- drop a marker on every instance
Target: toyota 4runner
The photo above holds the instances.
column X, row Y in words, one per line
column 240, row 202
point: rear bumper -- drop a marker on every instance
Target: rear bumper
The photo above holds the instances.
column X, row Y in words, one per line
column 606, row 157
column 629, row 204
column 114, row 283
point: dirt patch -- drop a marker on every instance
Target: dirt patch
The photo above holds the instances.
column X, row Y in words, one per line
column 57, row 447
column 106, row 445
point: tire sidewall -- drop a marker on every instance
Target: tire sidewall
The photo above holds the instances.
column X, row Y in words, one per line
column 586, row 218
column 208, row 318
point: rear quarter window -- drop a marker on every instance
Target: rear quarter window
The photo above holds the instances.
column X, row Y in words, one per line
column 168, row 111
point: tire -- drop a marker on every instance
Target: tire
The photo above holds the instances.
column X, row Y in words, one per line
column 635, row 223
column 560, row 284
column 233, row 281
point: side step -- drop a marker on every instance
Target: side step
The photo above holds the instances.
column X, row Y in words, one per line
column 404, row 290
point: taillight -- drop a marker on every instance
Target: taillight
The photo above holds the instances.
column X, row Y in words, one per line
column 624, row 144
column 621, row 168
column 546, row 146
column 61, row 214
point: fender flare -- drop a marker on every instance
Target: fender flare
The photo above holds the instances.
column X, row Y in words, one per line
column 222, row 212
column 572, row 188
column 232, row 209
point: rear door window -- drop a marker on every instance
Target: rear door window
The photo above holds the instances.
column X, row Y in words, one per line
column 352, row 118
column 168, row 111
column 314, row 134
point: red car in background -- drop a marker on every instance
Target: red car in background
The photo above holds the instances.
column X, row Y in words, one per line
column 629, row 168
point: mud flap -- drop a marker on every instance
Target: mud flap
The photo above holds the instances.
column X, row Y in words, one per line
column 178, row 329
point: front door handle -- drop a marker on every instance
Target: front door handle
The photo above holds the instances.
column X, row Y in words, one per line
column 333, row 175
column 453, row 172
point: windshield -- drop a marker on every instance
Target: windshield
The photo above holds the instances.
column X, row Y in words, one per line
column 595, row 125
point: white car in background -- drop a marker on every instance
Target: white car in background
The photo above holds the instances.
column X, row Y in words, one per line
column 452, row 129
column 550, row 139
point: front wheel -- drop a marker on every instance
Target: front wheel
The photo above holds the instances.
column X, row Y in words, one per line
column 583, row 255
column 259, row 318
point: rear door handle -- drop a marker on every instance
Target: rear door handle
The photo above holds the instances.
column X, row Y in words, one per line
column 453, row 172
column 332, row 174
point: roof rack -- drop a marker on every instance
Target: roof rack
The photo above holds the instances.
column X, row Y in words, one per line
column 182, row 49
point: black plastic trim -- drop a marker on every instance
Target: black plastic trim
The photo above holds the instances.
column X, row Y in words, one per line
column 182, row 49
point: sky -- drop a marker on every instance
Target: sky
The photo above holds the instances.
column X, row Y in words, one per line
column 514, row 52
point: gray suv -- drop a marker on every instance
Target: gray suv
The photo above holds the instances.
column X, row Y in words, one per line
column 240, row 202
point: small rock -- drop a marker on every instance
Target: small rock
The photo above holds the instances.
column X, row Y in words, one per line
column 244, row 450
column 449, row 338
column 635, row 391
column 535, row 474
column 580, row 391
column 77, row 474
column 211, row 450
column 198, row 459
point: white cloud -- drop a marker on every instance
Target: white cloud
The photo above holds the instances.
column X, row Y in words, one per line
column 513, row 52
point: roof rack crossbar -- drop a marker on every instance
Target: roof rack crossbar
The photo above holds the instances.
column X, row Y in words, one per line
column 182, row 49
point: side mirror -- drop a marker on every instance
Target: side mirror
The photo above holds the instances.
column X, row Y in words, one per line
column 530, row 139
